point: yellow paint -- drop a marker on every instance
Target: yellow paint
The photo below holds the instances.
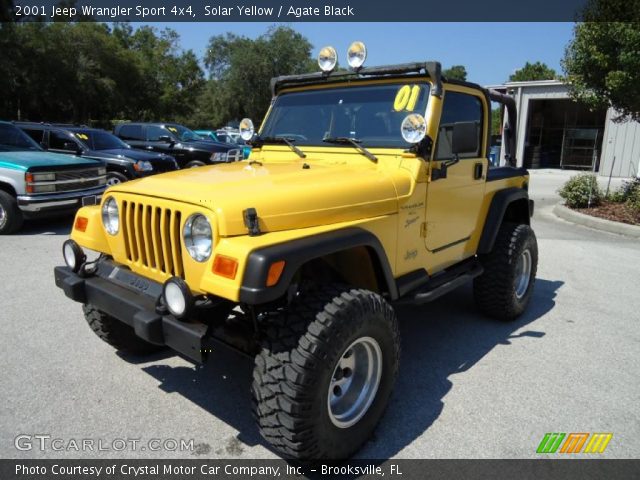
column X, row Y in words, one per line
column 394, row 198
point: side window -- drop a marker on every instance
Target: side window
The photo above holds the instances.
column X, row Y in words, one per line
column 131, row 132
column 154, row 133
column 458, row 107
column 60, row 141
column 34, row 133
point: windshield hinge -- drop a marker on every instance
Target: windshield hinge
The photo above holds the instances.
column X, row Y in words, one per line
column 423, row 229
column 251, row 221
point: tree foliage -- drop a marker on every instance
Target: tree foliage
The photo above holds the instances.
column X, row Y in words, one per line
column 456, row 72
column 241, row 68
column 533, row 71
column 602, row 62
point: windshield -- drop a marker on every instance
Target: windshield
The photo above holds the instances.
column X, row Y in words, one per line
column 183, row 133
column 97, row 140
column 13, row 139
column 370, row 114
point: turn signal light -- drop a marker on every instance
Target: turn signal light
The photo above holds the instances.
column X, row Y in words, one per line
column 225, row 266
column 81, row 224
column 29, row 181
column 275, row 271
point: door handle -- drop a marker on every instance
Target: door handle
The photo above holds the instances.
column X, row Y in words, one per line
column 477, row 171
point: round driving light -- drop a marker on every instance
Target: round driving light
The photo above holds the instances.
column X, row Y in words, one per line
column 414, row 128
column 73, row 255
column 177, row 297
column 327, row 59
column 198, row 237
column 356, row 55
column 111, row 216
column 246, row 129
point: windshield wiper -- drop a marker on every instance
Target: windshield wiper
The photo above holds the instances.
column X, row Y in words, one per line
column 352, row 141
column 286, row 141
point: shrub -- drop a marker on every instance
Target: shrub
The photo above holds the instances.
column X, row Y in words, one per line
column 581, row 191
column 633, row 195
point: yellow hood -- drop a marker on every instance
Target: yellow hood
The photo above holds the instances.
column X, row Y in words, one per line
column 285, row 195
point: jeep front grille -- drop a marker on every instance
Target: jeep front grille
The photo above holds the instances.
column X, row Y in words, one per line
column 152, row 237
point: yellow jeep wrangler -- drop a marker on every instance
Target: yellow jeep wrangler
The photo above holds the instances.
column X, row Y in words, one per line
column 366, row 188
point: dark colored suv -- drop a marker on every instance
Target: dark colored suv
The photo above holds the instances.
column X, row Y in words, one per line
column 123, row 162
column 188, row 148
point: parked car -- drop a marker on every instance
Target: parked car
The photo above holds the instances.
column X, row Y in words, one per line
column 123, row 162
column 35, row 183
column 188, row 148
column 226, row 136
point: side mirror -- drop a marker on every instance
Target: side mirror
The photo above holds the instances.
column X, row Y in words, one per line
column 165, row 139
column 465, row 138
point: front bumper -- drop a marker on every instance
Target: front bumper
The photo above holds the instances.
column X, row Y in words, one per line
column 35, row 205
column 134, row 300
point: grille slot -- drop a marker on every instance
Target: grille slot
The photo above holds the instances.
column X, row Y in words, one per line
column 152, row 237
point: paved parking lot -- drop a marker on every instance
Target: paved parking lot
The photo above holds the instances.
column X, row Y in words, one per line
column 468, row 388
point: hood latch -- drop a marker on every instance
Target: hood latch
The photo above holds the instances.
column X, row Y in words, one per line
column 251, row 221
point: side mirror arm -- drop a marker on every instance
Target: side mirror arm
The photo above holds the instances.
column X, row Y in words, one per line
column 441, row 172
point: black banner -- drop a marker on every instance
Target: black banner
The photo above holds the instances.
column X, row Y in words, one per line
column 274, row 11
column 565, row 469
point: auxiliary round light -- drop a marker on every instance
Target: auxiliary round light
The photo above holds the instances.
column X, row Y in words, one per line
column 356, row 55
column 413, row 128
column 327, row 59
column 111, row 216
column 198, row 237
column 177, row 297
column 246, row 129
column 73, row 255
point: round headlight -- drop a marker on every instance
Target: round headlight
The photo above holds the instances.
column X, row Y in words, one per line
column 327, row 59
column 246, row 129
column 110, row 216
column 413, row 128
column 198, row 237
column 356, row 55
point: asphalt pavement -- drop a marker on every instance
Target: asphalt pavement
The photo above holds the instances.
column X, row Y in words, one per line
column 469, row 387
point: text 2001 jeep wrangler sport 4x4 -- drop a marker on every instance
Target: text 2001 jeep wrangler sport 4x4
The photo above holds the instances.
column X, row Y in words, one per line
column 365, row 188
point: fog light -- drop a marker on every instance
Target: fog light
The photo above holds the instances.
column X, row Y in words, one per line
column 177, row 297
column 73, row 255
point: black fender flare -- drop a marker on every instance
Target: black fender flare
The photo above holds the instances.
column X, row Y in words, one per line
column 499, row 204
column 300, row 251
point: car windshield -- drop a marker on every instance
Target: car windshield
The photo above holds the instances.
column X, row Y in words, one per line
column 183, row 133
column 13, row 139
column 98, row 140
column 371, row 114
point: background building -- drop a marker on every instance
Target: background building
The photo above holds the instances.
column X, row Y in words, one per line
column 556, row 132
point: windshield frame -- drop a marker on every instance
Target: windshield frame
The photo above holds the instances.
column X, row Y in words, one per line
column 398, row 143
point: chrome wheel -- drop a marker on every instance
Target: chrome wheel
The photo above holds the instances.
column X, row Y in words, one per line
column 3, row 216
column 355, row 381
column 112, row 180
column 523, row 273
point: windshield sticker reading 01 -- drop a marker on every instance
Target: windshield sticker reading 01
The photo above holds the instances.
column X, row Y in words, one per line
column 406, row 98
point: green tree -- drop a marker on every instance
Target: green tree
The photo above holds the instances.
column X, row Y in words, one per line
column 241, row 68
column 456, row 72
column 602, row 62
column 533, row 71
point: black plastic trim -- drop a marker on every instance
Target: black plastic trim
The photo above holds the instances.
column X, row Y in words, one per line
column 501, row 173
column 298, row 252
column 499, row 204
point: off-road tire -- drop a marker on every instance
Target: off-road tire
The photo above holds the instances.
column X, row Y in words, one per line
column 299, row 351
column 194, row 164
column 115, row 333
column 115, row 178
column 11, row 218
column 495, row 289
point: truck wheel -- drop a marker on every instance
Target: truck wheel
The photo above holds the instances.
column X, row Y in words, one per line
column 115, row 178
column 325, row 372
column 504, row 289
column 116, row 333
column 195, row 163
column 10, row 215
